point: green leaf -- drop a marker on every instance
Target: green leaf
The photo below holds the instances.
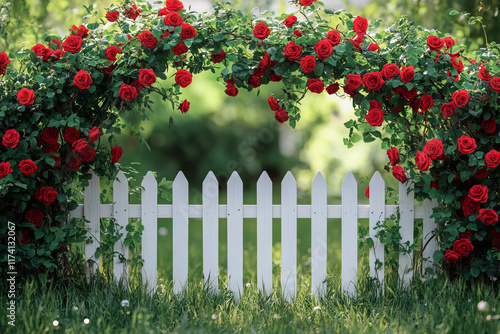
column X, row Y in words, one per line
column 475, row 271
column 355, row 137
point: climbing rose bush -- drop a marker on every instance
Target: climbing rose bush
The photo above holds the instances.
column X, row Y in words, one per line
column 433, row 108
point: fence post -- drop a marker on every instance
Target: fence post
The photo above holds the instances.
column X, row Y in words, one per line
column 149, row 215
column 235, row 235
column 407, row 223
column 377, row 214
column 318, row 235
column 349, row 234
column 210, row 190
column 180, row 232
column 91, row 213
column 265, row 233
column 120, row 213
column 289, row 237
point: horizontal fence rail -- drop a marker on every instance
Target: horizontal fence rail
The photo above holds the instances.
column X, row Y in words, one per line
column 210, row 211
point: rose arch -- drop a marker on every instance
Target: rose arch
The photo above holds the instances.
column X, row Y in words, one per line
column 432, row 107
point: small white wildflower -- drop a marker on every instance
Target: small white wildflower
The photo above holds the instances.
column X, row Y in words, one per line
column 125, row 303
column 162, row 230
column 276, row 316
column 214, row 316
column 55, row 323
column 317, row 308
column 482, row 306
column 86, row 321
column 248, row 285
column 75, row 308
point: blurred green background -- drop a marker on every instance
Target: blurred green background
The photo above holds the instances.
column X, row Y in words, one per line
column 224, row 134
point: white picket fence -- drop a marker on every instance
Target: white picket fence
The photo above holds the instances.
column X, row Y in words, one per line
column 264, row 211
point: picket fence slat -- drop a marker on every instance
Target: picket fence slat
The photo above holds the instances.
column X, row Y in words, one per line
column 149, row 249
column 264, row 211
column 289, row 236
column 318, row 236
column 210, row 189
column 406, row 222
column 120, row 199
column 235, row 235
column 180, row 232
column 349, row 253
column 90, row 203
column 377, row 214
column 265, row 234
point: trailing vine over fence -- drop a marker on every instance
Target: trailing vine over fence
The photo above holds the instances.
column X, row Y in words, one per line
column 433, row 108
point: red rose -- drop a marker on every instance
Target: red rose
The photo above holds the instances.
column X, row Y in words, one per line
column 281, row 115
column 46, row 195
column 375, row 117
column 478, row 193
column 116, row 153
column 112, row 16
column 174, row 5
column 183, row 78
column 448, row 109
column 460, row 98
column 84, row 150
column 81, row 31
column 323, row 48
column 72, row 44
column 254, row 81
column 425, row 102
column 333, row 88
column 350, row 92
column 469, row 206
column 146, row 77
column 466, row 144
column 373, row 47
column 179, row 49
column 451, row 256
column 315, row 85
column 25, row 237
column 483, row 73
column 292, row 51
column 373, row 80
column 172, row 19
column 410, row 94
column 290, row 21
column 74, row 163
column 393, row 155
column 360, row 25
column 333, row 36
column 487, row 216
column 463, row 247
column 163, row 12
column 231, row 90
column 133, row 12
column 274, row 77
column 481, row 173
column 435, row 184
column 4, row 61
column 265, row 62
column 187, row 31
column 305, row 3
column 495, row 84
column 449, row 42
column 218, row 57
column 496, row 243
column 184, row 106
column 82, row 79
column 457, row 64
column 422, row 161
column 297, row 33
column 27, row 167
column 261, row 31
column 25, row 96
column 398, row 173
column 389, row 71
column 5, row 169
column 147, row 39
column 356, row 42
column 94, row 134
column 492, row 159
column 434, row 148
column 50, row 135
column 111, row 53
column 407, row 74
column 308, row 63
column 127, row 92
column 71, row 134
column 489, row 125
column 11, row 138
column 273, row 104
column 435, row 43
column 353, row 81
column 367, row 192
column 35, row 216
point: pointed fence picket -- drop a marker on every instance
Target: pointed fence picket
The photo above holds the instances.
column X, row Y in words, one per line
column 264, row 211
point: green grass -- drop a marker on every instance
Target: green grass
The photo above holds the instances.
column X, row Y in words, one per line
column 434, row 306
